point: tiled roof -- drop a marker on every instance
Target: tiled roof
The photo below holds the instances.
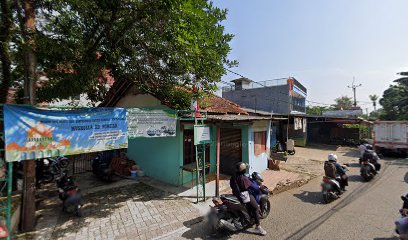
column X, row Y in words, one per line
column 215, row 104
column 212, row 104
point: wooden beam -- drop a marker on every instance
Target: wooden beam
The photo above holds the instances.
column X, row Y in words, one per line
column 217, row 180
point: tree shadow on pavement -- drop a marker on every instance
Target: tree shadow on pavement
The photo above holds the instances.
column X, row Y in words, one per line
column 310, row 197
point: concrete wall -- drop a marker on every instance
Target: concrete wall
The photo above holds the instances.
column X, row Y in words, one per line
column 267, row 98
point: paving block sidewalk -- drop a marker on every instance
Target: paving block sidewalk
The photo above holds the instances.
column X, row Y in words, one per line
column 135, row 211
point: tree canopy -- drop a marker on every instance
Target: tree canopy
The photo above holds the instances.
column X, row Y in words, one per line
column 343, row 103
column 159, row 44
column 395, row 100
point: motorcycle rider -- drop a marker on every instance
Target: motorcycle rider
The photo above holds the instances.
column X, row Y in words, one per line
column 372, row 157
column 241, row 183
column 340, row 173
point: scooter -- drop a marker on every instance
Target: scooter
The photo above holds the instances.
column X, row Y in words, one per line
column 102, row 169
column 367, row 170
column 230, row 214
column 69, row 194
column 330, row 189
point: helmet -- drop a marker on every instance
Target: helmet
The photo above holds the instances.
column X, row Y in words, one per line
column 241, row 167
column 257, row 177
column 332, row 157
column 368, row 146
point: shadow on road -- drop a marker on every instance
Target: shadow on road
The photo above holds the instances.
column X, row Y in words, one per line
column 310, row 197
column 390, row 238
column 355, row 178
column 199, row 229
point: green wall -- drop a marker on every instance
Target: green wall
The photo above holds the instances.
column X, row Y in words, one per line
column 159, row 157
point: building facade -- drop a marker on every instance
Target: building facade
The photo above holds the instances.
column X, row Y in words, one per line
column 281, row 96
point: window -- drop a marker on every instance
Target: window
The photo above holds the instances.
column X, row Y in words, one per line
column 259, row 143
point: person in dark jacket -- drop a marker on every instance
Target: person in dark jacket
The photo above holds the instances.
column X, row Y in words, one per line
column 241, row 183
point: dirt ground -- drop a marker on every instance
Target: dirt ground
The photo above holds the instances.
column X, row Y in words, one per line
column 309, row 160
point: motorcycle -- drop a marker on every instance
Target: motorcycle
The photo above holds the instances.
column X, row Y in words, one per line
column 69, row 194
column 48, row 168
column 101, row 168
column 401, row 225
column 367, row 170
column 230, row 214
column 369, row 165
column 330, row 189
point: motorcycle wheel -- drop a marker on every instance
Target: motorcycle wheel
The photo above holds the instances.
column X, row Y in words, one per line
column 326, row 198
column 214, row 223
column 64, row 163
column 78, row 211
column 47, row 178
column 265, row 210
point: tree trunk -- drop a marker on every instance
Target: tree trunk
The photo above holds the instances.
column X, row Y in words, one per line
column 28, row 213
column 5, row 37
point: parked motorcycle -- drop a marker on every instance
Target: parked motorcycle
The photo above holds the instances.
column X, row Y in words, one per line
column 69, row 194
column 101, row 167
column 401, row 225
column 330, row 189
column 230, row 214
column 48, row 168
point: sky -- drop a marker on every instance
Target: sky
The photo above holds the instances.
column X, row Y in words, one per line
column 321, row 43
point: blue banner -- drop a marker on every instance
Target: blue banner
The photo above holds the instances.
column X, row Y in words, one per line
column 32, row 133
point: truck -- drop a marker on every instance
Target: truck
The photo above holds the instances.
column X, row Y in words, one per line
column 391, row 136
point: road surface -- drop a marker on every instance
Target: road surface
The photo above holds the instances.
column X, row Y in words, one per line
column 365, row 211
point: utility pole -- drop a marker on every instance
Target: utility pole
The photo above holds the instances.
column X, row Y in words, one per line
column 354, row 86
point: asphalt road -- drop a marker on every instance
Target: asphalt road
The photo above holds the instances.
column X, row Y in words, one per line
column 366, row 211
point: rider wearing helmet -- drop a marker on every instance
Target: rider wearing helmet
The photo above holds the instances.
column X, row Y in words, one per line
column 340, row 172
column 241, row 183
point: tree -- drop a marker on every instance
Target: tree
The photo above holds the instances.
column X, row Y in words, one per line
column 343, row 103
column 374, row 99
column 395, row 100
column 316, row 110
column 5, row 58
column 157, row 44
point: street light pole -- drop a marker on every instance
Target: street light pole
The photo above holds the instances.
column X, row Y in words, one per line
column 354, row 86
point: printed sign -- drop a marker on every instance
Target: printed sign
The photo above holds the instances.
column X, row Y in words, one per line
column 201, row 135
column 144, row 122
column 298, row 123
column 32, row 133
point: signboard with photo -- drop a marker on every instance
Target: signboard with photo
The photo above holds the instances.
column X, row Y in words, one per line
column 145, row 122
